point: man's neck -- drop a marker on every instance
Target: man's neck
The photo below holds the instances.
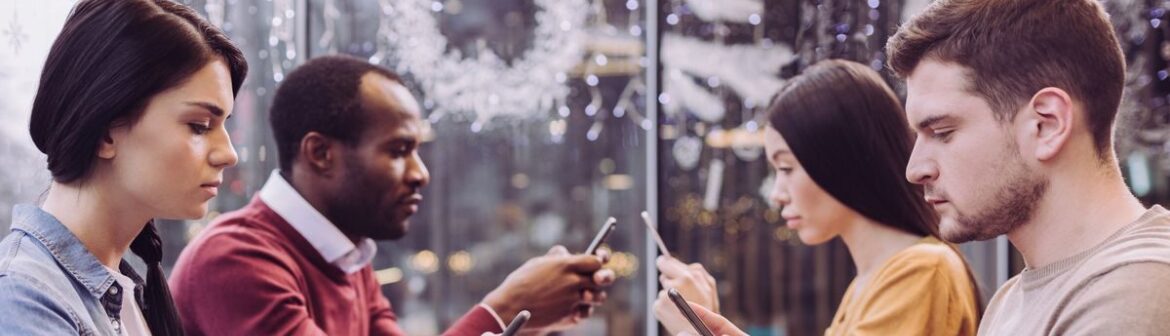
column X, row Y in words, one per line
column 1076, row 214
column 304, row 184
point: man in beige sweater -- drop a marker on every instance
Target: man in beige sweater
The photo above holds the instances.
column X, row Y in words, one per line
column 1014, row 103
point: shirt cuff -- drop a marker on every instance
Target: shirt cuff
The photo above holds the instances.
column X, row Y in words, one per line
column 494, row 315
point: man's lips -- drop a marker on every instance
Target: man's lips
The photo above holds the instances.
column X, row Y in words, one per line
column 413, row 199
column 935, row 200
column 412, row 202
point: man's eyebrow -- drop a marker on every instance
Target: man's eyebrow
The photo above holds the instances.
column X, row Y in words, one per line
column 931, row 121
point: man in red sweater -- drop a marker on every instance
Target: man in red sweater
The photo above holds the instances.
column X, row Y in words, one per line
column 296, row 260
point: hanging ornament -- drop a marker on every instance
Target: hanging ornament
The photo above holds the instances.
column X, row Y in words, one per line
column 690, row 96
column 755, row 80
column 739, row 11
column 485, row 86
column 749, row 150
column 714, row 185
column 686, row 151
column 747, row 153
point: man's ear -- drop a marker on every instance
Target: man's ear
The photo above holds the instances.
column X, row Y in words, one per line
column 319, row 153
column 1052, row 118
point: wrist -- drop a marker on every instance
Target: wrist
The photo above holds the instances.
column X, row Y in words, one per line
column 502, row 304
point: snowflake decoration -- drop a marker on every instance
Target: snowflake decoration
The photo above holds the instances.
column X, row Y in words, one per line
column 15, row 33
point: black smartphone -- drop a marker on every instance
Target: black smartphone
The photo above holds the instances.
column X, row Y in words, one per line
column 610, row 225
column 688, row 312
column 517, row 323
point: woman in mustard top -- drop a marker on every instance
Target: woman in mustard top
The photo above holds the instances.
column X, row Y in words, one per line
column 839, row 142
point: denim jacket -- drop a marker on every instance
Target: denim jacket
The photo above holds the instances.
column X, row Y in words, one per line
column 50, row 284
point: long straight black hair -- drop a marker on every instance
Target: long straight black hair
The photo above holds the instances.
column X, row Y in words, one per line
column 111, row 57
column 849, row 132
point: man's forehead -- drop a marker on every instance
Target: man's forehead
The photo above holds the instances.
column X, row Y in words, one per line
column 936, row 88
column 926, row 111
column 383, row 95
column 407, row 103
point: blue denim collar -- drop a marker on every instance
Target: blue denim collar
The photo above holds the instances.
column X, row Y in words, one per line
column 69, row 252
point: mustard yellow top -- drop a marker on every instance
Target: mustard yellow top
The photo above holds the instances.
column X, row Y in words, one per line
column 922, row 290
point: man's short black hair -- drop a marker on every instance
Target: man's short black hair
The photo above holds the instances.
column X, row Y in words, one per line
column 320, row 96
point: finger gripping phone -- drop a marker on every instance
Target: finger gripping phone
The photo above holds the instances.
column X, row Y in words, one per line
column 688, row 312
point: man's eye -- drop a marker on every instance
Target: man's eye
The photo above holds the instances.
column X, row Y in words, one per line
column 941, row 135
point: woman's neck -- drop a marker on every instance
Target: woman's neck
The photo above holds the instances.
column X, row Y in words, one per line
column 103, row 224
column 871, row 244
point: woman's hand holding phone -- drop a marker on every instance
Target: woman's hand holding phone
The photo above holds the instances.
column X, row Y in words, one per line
column 692, row 281
column 676, row 324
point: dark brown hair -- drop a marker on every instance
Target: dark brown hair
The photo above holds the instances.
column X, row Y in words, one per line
column 111, row 58
column 847, row 129
column 1014, row 48
column 323, row 96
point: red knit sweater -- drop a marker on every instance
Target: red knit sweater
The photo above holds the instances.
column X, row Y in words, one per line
column 251, row 273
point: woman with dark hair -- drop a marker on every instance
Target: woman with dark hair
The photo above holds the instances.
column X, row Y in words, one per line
column 130, row 112
column 839, row 142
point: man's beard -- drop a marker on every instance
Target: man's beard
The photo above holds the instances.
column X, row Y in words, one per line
column 1013, row 204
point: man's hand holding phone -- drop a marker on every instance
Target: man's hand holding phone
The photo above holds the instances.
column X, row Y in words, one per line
column 559, row 289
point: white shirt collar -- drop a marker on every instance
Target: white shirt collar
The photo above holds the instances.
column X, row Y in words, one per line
column 325, row 237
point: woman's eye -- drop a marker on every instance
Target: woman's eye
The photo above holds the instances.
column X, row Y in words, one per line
column 199, row 129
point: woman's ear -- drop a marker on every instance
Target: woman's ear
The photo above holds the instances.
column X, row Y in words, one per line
column 106, row 149
column 108, row 145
